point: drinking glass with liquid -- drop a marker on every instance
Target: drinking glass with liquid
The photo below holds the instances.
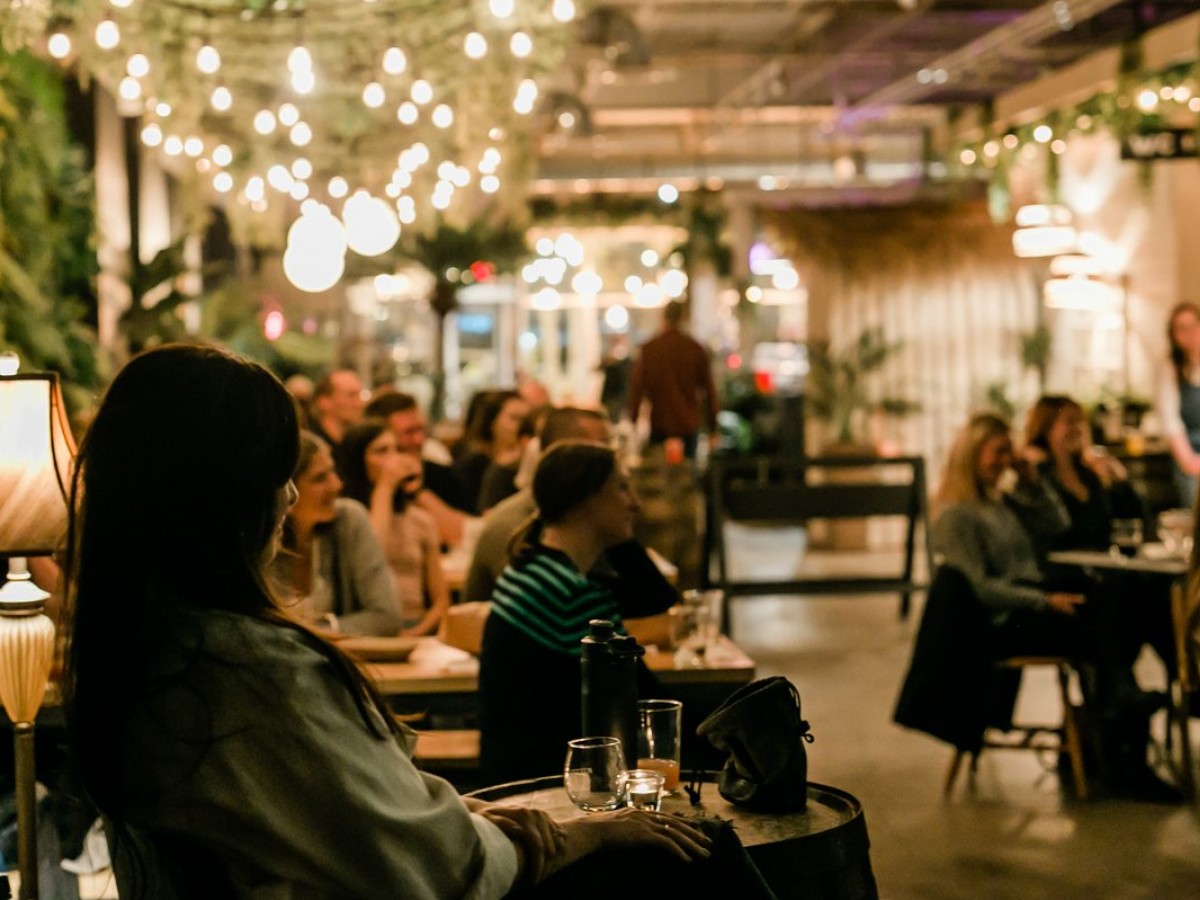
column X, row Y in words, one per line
column 1126, row 537
column 660, row 726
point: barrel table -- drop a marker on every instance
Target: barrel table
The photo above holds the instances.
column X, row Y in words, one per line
column 821, row 853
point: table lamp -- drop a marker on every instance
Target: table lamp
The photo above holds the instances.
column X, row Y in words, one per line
column 36, row 452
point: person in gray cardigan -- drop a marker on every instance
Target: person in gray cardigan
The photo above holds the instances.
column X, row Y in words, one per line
column 332, row 563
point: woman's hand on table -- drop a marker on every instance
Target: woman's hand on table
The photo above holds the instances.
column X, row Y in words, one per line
column 539, row 836
column 1064, row 603
column 640, row 828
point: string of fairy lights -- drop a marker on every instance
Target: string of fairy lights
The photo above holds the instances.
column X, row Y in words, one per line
column 338, row 122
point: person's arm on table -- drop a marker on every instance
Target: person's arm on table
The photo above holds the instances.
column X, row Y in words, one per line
column 365, row 569
column 435, row 585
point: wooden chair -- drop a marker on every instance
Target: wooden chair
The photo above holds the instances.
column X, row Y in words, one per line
column 1185, row 619
column 1065, row 737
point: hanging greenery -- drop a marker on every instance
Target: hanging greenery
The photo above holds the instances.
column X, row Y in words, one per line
column 47, row 255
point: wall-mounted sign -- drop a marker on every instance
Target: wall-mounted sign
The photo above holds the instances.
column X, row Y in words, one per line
column 1166, row 143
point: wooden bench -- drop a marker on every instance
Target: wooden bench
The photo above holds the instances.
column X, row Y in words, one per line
column 783, row 491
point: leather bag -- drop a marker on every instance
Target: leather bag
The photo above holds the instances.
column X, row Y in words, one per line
column 759, row 726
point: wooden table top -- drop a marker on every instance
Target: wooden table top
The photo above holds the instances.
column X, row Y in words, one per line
column 436, row 668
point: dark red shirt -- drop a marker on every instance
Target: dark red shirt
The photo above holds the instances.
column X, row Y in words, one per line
column 673, row 374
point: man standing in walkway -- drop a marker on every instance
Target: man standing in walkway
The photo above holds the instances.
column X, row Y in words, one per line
column 673, row 375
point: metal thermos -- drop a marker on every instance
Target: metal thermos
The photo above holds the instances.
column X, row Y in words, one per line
column 609, row 662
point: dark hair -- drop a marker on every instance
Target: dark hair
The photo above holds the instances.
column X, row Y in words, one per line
column 389, row 404
column 568, row 474
column 1179, row 358
column 567, row 422
column 176, row 499
column 1041, row 417
column 673, row 312
column 352, row 463
column 479, row 428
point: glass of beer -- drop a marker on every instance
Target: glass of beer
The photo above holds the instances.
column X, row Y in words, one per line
column 660, row 728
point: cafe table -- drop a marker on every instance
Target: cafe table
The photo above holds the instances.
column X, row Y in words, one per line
column 1150, row 560
column 443, row 681
column 819, row 853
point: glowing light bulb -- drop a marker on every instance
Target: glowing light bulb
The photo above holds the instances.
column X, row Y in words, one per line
column 299, row 190
column 501, row 9
column 527, row 93
column 373, row 95
column 193, row 147
column 255, row 189
column 280, row 178
column 475, row 45
column 407, row 112
column 300, row 134
column 152, row 135
column 59, row 45
column 121, row 4
column 299, row 60
column 302, row 168
column 162, row 109
column 264, row 121
column 668, row 193
column 489, row 184
column 520, row 44
column 223, row 182
column 338, row 186
column 222, row 155
column 208, row 60
column 422, row 91
column 288, row 115
column 371, row 226
column 563, row 10
column 221, row 98
column 138, row 66
column 130, row 88
column 394, row 61
column 443, row 116
column 172, row 146
column 303, row 81
column 108, row 35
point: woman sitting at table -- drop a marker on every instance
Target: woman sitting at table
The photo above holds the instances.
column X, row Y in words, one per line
column 332, row 565
column 493, row 437
column 977, row 531
column 529, row 668
column 385, row 481
column 233, row 752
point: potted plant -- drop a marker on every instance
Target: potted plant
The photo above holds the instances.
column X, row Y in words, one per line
column 841, row 392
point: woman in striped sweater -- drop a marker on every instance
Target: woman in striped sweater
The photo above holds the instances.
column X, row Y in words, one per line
column 529, row 679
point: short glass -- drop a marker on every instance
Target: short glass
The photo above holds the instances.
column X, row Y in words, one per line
column 1126, row 536
column 594, row 773
column 660, row 726
column 644, row 789
column 709, row 606
column 1174, row 527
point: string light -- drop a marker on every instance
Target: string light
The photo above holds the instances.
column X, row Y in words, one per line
column 152, row 135
column 475, row 45
column 59, row 45
column 172, row 146
column 422, row 91
column 338, row 187
column 222, row 155
column 264, row 121
column 520, row 44
column 443, row 116
column 108, row 35
column 129, row 88
column 223, row 182
column 407, row 112
column 373, row 95
column 300, row 134
column 302, row 168
column 221, row 98
column 288, row 115
column 208, row 60
column 501, row 9
column 193, row 147
column 138, row 66
column 394, row 61
column 563, row 10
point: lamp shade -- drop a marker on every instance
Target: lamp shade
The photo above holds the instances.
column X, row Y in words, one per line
column 36, row 452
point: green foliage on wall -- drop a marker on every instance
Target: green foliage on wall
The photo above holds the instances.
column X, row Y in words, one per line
column 47, row 256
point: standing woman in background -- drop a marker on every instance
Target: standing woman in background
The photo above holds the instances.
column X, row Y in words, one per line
column 386, row 481
column 1179, row 398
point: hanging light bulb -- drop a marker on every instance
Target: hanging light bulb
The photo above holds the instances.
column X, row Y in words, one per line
column 121, row 4
column 255, row 189
column 108, row 35
column 221, row 98
column 422, row 91
column 59, row 45
column 563, row 10
column 300, row 134
column 315, row 258
column 193, row 147
column 407, row 112
column 475, row 45
column 443, row 116
column 299, row 190
column 152, row 135
column 130, row 88
column 280, row 178
column 501, row 9
column 520, row 44
column 302, row 168
column 373, row 95
column 222, row 155
column 299, row 59
column 394, row 61
column 303, row 81
column 338, row 187
column 526, row 97
column 138, row 66
column 208, row 60
column 489, row 184
column 222, row 182
column 172, row 146
column 288, row 115
column 371, row 226
column 264, row 121
column 162, row 109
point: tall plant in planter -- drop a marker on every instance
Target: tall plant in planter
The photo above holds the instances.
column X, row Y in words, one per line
column 47, row 252
column 448, row 250
column 842, row 391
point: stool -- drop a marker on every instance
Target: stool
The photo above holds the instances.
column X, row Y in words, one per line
column 1058, row 738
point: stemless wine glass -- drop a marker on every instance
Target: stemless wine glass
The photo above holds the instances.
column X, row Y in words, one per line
column 594, row 773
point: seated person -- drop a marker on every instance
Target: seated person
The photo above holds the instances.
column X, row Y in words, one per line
column 976, row 531
column 385, row 481
column 641, row 590
column 331, row 562
column 541, row 608
column 492, row 437
column 234, row 753
column 500, row 478
column 442, row 494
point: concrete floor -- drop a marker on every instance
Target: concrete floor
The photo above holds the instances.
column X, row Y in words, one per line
column 1012, row 834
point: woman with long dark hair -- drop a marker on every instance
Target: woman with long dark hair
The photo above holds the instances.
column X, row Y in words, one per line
column 493, row 437
column 1179, row 398
column 232, row 751
column 386, row 481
